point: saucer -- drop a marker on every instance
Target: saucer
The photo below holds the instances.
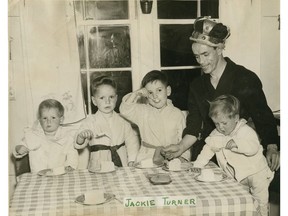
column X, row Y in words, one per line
column 139, row 166
column 52, row 172
column 217, row 178
column 103, row 171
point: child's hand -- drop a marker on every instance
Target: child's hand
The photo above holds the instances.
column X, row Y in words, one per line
column 21, row 149
column 131, row 164
column 85, row 134
column 231, row 144
column 158, row 158
column 143, row 92
column 69, row 169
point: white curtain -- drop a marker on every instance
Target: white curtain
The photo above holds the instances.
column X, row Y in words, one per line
column 52, row 59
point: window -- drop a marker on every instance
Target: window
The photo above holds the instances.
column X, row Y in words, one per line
column 104, row 44
column 174, row 19
column 109, row 31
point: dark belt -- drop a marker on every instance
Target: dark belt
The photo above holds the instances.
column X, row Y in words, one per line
column 115, row 156
column 147, row 145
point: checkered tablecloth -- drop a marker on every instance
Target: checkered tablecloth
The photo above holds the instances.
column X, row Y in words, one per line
column 40, row 195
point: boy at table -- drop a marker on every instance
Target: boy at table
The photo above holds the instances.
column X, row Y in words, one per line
column 110, row 137
column 159, row 122
column 48, row 144
column 237, row 148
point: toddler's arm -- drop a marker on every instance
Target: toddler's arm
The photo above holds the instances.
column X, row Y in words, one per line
column 132, row 144
column 203, row 158
column 71, row 157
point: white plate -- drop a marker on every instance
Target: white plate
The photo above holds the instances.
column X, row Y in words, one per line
column 103, row 171
column 107, row 197
column 51, row 172
column 218, row 177
column 139, row 166
column 184, row 167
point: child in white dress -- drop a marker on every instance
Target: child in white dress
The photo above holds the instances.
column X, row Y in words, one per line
column 109, row 136
column 237, row 148
column 48, row 144
column 159, row 122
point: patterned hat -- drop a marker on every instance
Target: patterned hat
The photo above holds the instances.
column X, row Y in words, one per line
column 209, row 32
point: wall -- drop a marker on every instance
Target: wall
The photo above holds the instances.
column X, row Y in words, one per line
column 270, row 52
column 243, row 18
column 255, row 41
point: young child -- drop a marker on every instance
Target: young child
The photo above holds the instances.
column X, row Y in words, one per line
column 159, row 122
column 237, row 148
column 48, row 144
column 110, row 137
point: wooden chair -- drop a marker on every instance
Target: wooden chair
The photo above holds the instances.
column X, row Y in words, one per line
column 22, row 165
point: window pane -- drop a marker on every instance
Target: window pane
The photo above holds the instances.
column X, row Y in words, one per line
column 180, row 9
column 175, row 46
column 109, row 47
column 122, row 78
column 210, row 8
column 180, row 80
column 106, row 10
column 81, row 47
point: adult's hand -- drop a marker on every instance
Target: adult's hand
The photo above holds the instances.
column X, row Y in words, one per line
column 273, row 158
column 171, row 151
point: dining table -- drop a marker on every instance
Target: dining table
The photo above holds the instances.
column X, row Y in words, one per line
column 56, row 195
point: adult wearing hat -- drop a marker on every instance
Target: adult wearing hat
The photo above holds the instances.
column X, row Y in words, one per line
column 222, row 76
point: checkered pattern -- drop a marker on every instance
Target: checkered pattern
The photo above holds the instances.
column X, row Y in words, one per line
column 55, row 196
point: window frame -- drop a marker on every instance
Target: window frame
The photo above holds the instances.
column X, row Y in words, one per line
column 131, row 22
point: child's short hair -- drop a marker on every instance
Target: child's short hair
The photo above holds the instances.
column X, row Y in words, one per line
column 102, row 80
column 224, row 104
column 48, row 104
column 153, row 76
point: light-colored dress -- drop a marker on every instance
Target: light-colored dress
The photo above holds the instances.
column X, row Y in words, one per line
column 113, row 131
column 47, row 153
column 246, row 163
column 158, row 127
column 246, row 159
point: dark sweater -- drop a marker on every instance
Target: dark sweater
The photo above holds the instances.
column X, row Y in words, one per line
column 243, row 84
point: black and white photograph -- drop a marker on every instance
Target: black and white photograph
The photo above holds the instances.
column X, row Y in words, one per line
column 144, row 107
